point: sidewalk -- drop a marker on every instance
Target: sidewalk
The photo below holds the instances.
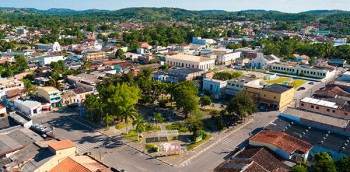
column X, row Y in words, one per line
column 185, row 156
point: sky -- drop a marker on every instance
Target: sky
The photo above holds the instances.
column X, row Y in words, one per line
column 228, row 5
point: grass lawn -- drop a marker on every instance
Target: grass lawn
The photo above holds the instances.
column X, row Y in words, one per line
column 278, row 81
column 194, row 145
column 298, row 83
column 132, row 136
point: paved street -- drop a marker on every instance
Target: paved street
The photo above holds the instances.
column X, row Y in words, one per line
column 120, row 156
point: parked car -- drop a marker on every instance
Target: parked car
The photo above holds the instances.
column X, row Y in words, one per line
column 311, row 83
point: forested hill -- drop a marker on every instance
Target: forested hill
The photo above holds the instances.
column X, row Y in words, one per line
column 26, row 15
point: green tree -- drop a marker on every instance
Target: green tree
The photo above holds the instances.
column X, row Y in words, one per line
column 120, row 100
column 120, row 54
column 343, row 164
column 108, row 119
column 299, row 168
column 139, row 125
column 28, row 86
column 205, row 101
column 185, row 96
column 324, row 163
column 21, row 63
column 159, row 118
column 242, row 105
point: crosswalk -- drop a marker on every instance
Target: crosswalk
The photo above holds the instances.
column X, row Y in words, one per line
column 84, row 147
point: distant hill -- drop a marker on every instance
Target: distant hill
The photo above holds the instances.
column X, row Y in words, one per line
column 325, row 12
column 166, row 14
column 260, row 11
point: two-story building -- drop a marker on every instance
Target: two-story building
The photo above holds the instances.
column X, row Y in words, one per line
column 236, row 85
column 229, row 58
column 50, row 94
column 189, row 61
column 94, row 55
column 274, row 96
column 215, row 87
column 177, row 75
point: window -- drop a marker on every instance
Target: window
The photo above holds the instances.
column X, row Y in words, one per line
column 345, row 113
column 333, row 111
column 328, row 110
column 302, row 104
column 274, row 97
column 312, row 106
column 317, row 107
column 264, row 95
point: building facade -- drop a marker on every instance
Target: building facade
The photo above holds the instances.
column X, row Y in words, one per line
column 188, row 61
column 234, row 86
column 340, row 109
column 43, row 61
column 229, row 58
column 48, row 47
column 202, row 41
column 94, row 55
column 302, row 70
column 28, row 107
column 216, row 87
column 262, row 62
column 273, row 96
column 50, row 94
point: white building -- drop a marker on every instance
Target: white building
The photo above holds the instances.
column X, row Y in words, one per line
column 228, row 58
column 202, row 41
column 216, row 87
column 302, row 70
column 49, row 47
column 9, row 84
column 48, row 59
column 189, row 61
column 29, row 107
column 262, row 62
column 236, row 85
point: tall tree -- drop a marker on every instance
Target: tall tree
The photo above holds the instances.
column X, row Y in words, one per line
column 159, row 118
column 242, row 105
column 324, row 163
column 120, row 54
column 139, row 124
column 205, row 101
column 185, row 95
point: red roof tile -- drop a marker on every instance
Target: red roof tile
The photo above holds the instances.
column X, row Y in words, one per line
column 63, row 144
column 69, row 165
column 282, row 140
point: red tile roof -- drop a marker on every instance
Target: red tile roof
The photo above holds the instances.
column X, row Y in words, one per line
column 69, row 165
column 252, row 159
column 63, row 144
column 282, row 140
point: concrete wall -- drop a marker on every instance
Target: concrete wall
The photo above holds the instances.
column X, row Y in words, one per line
column 324, row 110
column 56, row 159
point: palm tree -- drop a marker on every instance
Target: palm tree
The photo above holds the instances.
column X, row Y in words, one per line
column 140, row 125
column 159, row 118
column 128, row 112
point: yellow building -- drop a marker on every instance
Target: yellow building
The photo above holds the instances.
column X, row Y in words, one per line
column 50, row 94
column 60, row 150
column 274, row 96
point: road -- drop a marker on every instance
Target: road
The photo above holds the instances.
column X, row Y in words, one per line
column 115, row 154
